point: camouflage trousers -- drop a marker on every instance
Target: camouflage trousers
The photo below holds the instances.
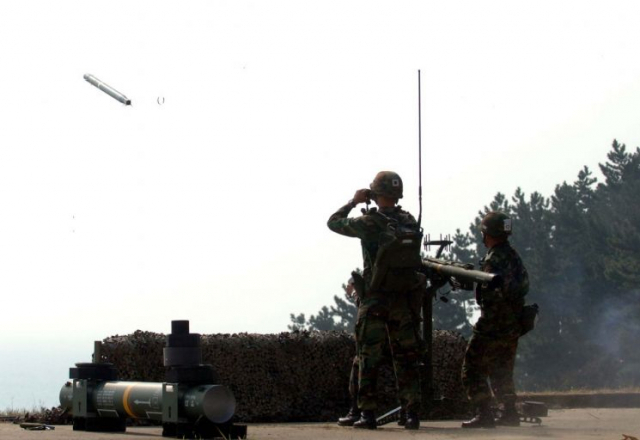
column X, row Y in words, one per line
column 489, row 359
column 393, row 321
column 354, row 375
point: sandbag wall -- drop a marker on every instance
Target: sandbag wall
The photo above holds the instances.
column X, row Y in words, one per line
column 286, row 377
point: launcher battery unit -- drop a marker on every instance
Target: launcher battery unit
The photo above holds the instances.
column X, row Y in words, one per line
column 190, row 404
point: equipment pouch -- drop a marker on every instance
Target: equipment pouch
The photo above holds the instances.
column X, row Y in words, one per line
column 528, row 318
column 358, row 284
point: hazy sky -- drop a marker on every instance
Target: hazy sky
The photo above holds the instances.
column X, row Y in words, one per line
column 212, row 207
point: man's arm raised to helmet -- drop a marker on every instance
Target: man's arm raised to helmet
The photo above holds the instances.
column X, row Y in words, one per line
column 351, row 227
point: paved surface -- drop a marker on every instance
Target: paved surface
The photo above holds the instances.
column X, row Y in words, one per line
column 573, row 424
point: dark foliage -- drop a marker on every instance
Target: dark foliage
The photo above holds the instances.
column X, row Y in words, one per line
column 582, row 250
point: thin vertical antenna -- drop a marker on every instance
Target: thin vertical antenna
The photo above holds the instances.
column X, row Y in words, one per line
column 419, row 153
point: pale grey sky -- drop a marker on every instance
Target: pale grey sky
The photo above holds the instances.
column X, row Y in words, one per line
column 213, row 206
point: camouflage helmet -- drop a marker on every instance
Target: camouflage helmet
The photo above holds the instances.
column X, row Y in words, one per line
column 496, row 224
column 387, row 184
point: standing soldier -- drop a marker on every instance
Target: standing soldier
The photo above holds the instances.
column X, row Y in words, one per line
column 492, row 349
column 390, row 305
column 354, row 290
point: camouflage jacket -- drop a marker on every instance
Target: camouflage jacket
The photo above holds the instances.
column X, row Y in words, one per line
column 501, row 307
column 367, row 228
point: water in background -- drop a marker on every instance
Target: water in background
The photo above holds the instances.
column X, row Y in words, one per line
column 31, row 374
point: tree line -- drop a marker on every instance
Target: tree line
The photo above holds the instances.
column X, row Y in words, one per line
column 581, row 247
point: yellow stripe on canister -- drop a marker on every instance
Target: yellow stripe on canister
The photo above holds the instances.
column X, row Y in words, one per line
column 125, row 401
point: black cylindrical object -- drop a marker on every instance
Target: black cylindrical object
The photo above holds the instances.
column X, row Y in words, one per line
column 183, row 348
column 182, row 356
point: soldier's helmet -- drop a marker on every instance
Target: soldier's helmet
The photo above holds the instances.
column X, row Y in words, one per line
column 387, row 184
column 496, row 224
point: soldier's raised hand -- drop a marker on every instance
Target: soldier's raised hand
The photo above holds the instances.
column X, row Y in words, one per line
column 362, row 196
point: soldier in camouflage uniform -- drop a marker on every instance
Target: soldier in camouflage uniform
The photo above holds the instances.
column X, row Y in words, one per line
column 492, row 348
column 354, row 372
column 384, row 314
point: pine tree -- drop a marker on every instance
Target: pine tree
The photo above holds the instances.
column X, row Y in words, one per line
column 339, row 317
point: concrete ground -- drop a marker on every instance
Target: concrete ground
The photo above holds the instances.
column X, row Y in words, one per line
column 573, row 424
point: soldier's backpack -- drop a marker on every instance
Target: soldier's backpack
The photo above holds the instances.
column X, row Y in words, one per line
column 398, row 257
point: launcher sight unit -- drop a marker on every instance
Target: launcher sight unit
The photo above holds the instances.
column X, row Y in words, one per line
column 190, row 404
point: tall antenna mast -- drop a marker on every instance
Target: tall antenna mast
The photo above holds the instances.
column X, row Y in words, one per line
column 419, row 153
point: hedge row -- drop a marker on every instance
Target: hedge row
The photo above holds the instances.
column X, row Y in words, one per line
column 286, row 377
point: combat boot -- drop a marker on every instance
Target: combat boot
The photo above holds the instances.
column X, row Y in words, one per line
column 412, row 421
column 402, row 418
column 509, row 417
column 367, row 420
column 352, row 416
column 483, row 419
